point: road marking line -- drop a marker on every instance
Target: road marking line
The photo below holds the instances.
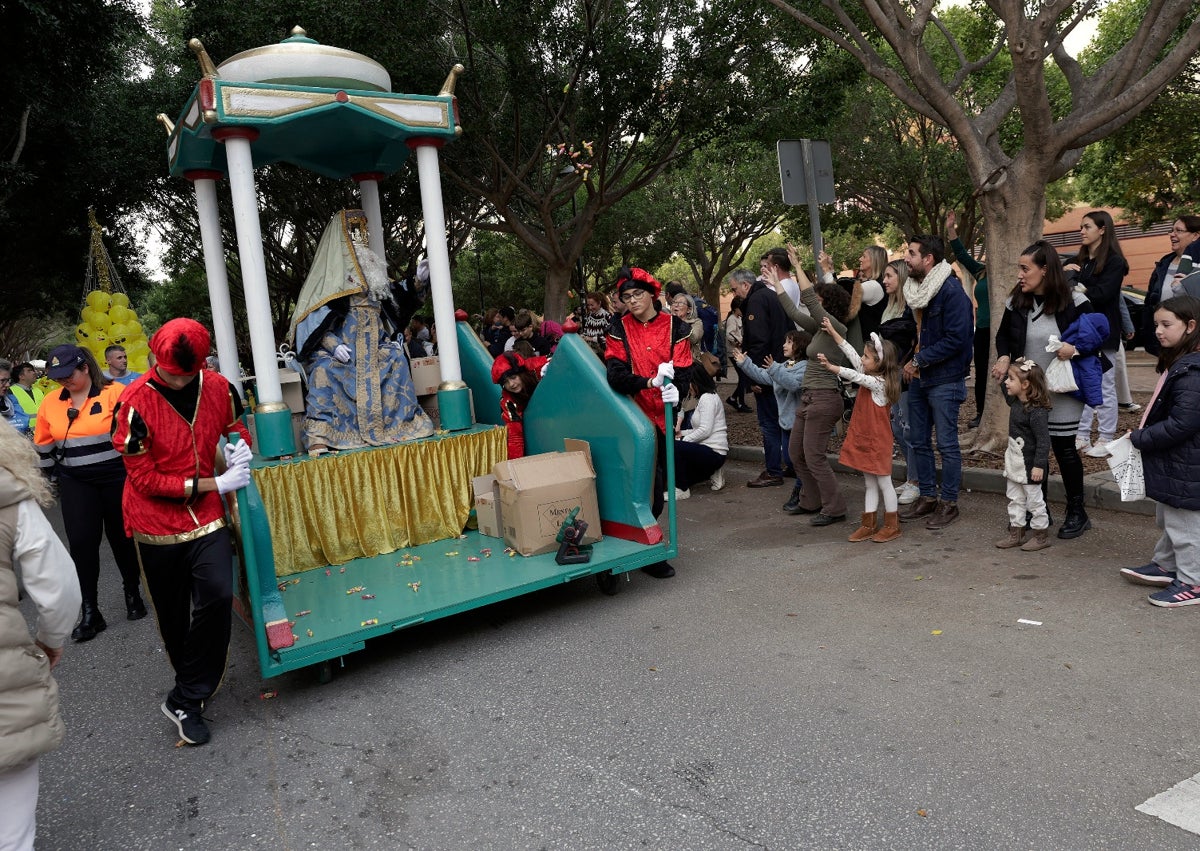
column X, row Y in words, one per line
column 1179, row 805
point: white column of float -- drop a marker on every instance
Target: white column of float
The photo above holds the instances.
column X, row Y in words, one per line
column 205, row 185
column 438, row 254
column 250, row 257
column 368, row 193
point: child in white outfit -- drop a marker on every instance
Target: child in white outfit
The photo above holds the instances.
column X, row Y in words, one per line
column 1027, row 459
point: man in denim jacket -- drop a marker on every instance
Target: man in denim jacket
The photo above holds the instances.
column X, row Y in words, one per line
column 937, row 376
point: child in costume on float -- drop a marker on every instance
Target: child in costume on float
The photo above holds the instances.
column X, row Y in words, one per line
column 518, row 378
column 1169, row 440
column 1027, row 459
column 868, row 443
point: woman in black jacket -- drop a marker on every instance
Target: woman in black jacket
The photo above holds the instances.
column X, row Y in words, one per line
column 1185, row 242
column 1100, row 268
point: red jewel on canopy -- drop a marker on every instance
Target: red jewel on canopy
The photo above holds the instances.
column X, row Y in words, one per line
column 342, row 97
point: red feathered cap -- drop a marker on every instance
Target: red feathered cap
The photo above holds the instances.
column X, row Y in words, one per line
column 505, row 364
column 637, row 279
column 180, row 347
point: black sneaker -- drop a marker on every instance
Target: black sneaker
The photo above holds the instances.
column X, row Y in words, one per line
column 659, row 570
column 192, row 728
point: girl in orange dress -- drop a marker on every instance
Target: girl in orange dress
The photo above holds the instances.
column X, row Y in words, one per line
column 868, row 443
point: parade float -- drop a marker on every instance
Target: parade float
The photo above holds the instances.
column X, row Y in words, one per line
column 106, row 318
column 347, row 546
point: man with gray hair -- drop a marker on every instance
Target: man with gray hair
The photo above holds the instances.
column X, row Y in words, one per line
column 764, row 325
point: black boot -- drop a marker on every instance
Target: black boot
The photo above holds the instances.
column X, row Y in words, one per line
column 1076, row 522
column 91, row 622
column 793, row 501
column 135, row 609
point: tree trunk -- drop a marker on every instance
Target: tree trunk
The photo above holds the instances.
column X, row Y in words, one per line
column 1014, row 213
column 558, row 303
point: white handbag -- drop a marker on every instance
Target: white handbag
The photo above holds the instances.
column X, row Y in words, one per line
column 1125, row 460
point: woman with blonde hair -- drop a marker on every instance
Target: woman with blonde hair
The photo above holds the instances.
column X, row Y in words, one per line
column 29, row 550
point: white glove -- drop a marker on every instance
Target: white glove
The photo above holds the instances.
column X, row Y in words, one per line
column 670, row 394
column 342, row 353
column 233, row 479
column 542, row 372
column 239, row 454
column 665, row 371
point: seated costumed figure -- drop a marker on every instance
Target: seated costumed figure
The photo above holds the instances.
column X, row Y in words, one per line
column 360, row 388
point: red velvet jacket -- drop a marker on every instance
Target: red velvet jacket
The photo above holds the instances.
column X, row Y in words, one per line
column 633, row 352
column 165, row 456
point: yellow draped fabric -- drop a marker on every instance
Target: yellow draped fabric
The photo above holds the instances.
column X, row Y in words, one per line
column 336, row 508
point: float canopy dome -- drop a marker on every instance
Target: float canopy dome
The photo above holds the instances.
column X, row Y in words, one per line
column 324, row 109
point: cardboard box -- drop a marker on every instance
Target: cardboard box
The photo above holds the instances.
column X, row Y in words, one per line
column 537, row 492
column 426, row 375
column 487, row 506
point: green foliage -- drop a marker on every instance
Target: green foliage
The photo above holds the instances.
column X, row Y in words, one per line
column 65, row 146
column 1151, row 166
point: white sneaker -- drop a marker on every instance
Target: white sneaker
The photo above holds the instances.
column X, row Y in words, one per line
column 1097, row 451
column 1083, row 444
column 718, row 480
column 681, row 494
column 907, row 493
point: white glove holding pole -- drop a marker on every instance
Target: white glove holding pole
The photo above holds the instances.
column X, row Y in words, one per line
column 342, row 353
column 665, row 371
column 670, row 394
column 233, row 479
column 542, row 372
column 239, row 453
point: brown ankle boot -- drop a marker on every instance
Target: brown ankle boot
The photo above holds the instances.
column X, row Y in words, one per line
column 867, row 529
column 1039, row 541
column 890, row 529
column 1016, row 534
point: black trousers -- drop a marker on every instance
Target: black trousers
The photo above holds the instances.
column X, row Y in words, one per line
column 1070, row 467
column 91, row 508
column 983, row 375
column 191, row 587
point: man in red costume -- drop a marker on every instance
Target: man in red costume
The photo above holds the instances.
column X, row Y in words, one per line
column 168, row 429
column 646, row 348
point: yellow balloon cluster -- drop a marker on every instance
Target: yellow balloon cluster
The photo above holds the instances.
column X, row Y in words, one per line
column 108, row 320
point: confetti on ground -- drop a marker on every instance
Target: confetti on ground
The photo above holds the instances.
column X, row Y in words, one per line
column 310, row 633
column 368, row 596
column 356, row 589
column 268, row 694
column 181, row 743
column 923, row 813
column 416, row 586
column 303, row 612
column 293, row 582
column 370, row 622
column 486, row 552
column 341, row 570
column 452, row 553
column 282, row 586
column 328, row 572
column 472, row 558
column 1031, row 623
column 935, row 632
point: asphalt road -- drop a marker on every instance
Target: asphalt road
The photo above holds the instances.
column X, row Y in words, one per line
column 787, row 690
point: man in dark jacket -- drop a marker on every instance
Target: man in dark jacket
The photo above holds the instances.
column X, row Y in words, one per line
column 763, row 328
column 937, row 376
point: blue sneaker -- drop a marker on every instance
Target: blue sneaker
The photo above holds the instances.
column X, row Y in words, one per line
column 1176, row 594
column 1148, row 574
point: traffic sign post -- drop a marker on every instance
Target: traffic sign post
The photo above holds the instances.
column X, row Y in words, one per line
column 806, row 177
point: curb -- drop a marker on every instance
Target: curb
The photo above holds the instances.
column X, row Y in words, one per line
column 1099, row 489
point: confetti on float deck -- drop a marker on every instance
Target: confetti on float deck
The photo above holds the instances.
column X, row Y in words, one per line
column 370, row 622
column 356, row 590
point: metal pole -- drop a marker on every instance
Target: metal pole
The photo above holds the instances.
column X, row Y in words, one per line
column 438, row 253
column 218, row 280
column 814, row 213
